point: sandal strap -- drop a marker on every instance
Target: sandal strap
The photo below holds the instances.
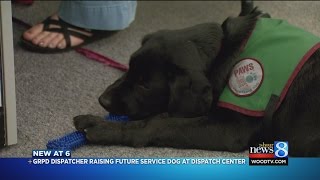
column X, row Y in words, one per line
column 66, row 29
column 47, row 22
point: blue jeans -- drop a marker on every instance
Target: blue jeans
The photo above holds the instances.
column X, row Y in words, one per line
column 98, row 15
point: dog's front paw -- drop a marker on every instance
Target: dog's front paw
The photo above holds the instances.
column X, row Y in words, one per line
column 82, row 122
column 98, row 131
column 108, row 133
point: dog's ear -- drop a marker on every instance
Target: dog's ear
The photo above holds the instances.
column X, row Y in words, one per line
column 190, row 90
column 146, row 38
column 190, row 95
column 236, row 29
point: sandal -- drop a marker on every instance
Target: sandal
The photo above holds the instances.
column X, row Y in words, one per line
column 66, row 30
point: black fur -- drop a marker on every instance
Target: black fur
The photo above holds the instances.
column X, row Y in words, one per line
column 173, row 85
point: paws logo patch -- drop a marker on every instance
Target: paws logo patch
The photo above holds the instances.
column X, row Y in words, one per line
column 246, row 77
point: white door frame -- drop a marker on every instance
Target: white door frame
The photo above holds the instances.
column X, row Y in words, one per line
column 8, row 74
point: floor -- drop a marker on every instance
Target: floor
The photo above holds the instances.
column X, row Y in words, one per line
column 52, row 89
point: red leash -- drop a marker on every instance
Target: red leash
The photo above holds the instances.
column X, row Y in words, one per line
column 103, row 59
column 86, row 52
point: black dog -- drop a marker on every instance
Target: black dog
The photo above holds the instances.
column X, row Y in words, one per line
column 173, row 86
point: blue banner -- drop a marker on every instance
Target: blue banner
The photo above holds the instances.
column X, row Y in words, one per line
column 154, row 168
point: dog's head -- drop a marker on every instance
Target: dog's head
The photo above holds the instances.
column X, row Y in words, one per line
column 167, row 74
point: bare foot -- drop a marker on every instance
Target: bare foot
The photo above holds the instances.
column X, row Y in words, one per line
column 53, row 40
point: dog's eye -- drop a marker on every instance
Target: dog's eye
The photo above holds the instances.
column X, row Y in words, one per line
column 142, row 84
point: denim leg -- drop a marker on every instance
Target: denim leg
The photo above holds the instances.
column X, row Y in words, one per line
column 98, row 15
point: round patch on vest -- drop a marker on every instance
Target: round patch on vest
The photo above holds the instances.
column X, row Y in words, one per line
column 246, row 77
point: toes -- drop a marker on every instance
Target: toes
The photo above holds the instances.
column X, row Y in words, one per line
column 38, row 40
column 33, row 32
column 55, row 41
column 62, row 44
column 47, row 40
column 42, row 38
column 85, row 121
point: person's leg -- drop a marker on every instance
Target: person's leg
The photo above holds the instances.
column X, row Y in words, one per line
column 98, row 15
column 91, row 15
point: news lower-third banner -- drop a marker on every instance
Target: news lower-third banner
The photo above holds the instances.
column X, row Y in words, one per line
column 64, row 167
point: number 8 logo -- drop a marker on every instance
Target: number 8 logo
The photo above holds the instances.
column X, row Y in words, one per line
column 281, row 149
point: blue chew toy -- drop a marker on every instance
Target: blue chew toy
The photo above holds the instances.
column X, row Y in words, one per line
column 68, row 142
column 76, row 139
column 114, row 117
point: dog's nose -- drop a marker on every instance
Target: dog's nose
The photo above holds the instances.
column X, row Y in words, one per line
column 105, row 102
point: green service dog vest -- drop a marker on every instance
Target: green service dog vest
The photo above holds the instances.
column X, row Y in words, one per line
column 272, row 57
